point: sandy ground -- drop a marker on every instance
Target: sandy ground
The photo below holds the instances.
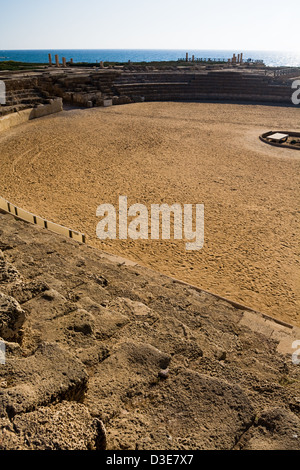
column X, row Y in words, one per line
column 62, row 167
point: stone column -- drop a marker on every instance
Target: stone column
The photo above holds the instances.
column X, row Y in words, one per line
column 71, row 61
column 238, row 59
column 193, row 58
column 56, row 60
column 241, row 58
column 50, row 59
column 64, row 62
column 187, row 57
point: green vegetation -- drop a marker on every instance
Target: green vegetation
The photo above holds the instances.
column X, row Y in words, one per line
column 12, row 65
column 16, row 66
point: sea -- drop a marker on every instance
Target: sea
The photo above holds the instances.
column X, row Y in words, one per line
column 270, row 58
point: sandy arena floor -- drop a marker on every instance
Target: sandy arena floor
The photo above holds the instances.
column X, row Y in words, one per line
column 63, row 166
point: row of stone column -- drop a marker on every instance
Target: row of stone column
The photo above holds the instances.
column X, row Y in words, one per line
column 187, row 57
column 236, row 59
column 64, row 61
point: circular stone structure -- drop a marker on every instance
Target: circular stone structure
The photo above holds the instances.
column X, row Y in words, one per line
column 62, row 167
column 285, row 139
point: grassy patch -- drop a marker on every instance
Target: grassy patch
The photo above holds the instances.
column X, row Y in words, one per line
column 12, row 65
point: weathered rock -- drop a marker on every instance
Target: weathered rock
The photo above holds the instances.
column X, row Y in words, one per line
column 124, row 100
column 81, row 321
column 93, row 356
column 52, row 303
column 8, row 273
column 138, row 311
column 106, row 321
column 222, row 414
column 12, row 317
column 25, row 291
column 192, row 411
column 275, row 429
column 164, row 373
column 129, row 367
column 137, row 308
column 115, row 329
column 101, row 280
column 50, row 375
column 65, row 426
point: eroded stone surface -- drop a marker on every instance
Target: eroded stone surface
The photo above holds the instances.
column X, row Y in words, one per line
column 274, row 429
column 12, row 317
column 163, row 365
column 49, row 375
column 8, row 273
column 66, row 426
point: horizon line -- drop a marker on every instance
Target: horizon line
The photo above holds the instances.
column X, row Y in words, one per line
column 151, row 49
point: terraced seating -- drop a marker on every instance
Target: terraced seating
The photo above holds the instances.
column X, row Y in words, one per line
column 91, row 88
column 209, row 85
column 23, row 94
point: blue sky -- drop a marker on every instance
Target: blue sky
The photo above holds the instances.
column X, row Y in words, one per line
column 153, row 24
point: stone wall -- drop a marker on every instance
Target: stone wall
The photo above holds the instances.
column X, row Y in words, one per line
column 13, row 119
column 89, row 88
column 85, row 89
column 24, row 93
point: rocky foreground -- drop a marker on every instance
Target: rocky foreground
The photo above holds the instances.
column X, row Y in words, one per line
column 102, row 353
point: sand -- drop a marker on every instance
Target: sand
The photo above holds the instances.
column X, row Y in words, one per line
column 62, row 167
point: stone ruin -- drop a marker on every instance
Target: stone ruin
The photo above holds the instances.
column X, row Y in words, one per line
column 103, row 353
column 103, row 87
